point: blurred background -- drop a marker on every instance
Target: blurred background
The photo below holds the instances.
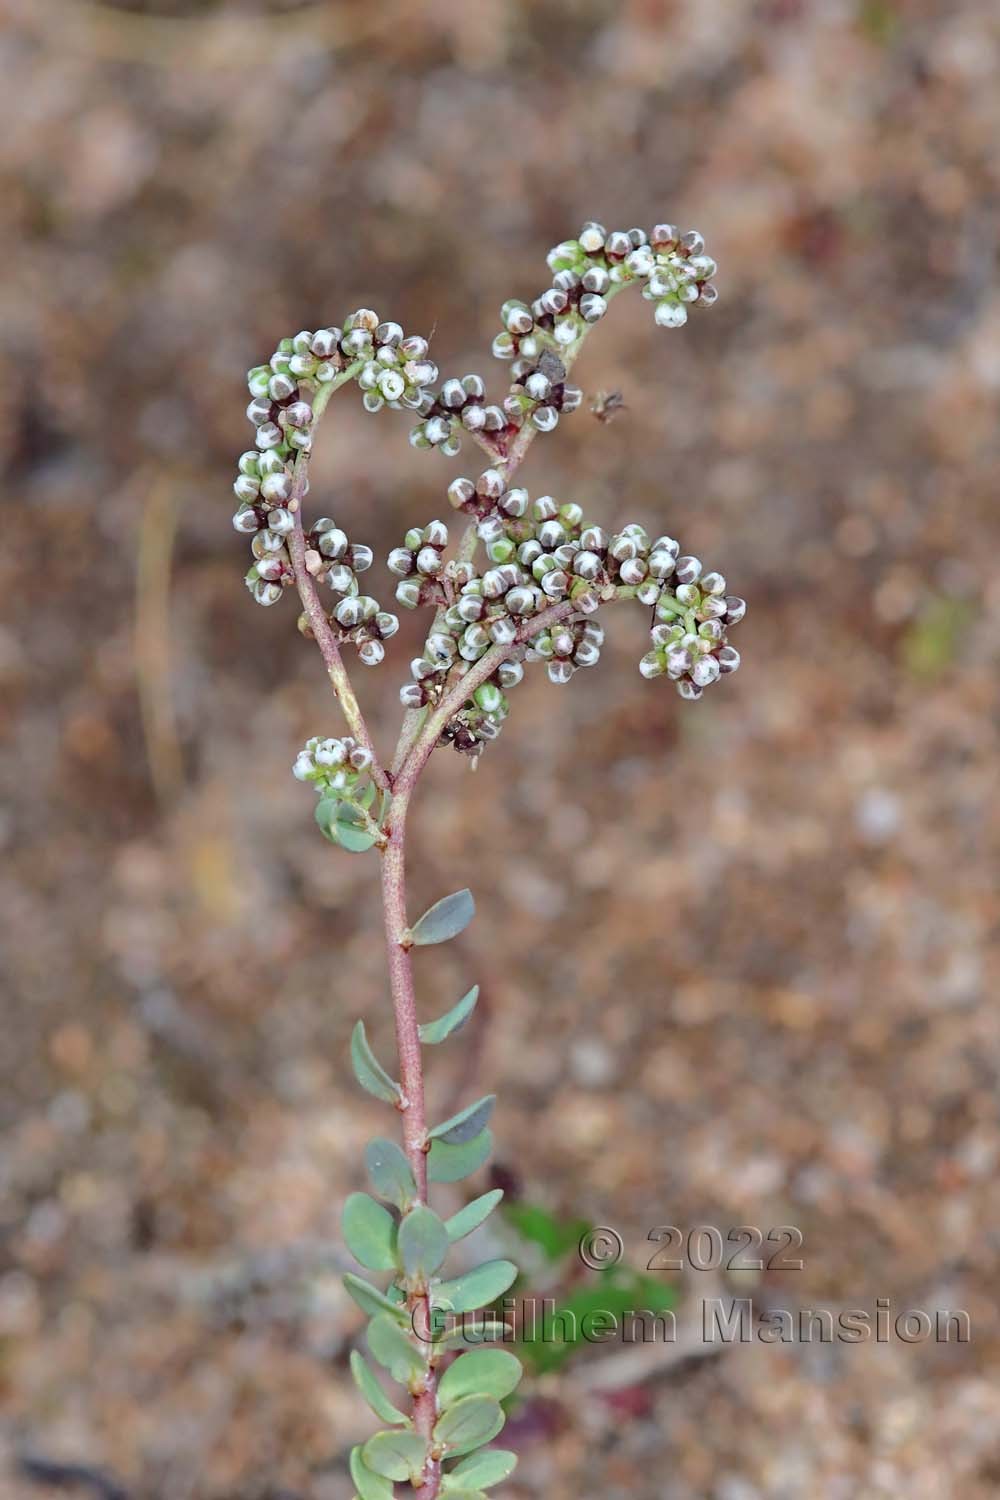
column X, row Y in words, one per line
column 738, row 958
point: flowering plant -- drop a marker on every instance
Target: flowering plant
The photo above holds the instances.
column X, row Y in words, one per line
column 524, row 582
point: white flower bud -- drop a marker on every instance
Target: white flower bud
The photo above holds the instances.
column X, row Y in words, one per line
column 303, row 769
column 391, row 385
column 411, row 695
column 728, row 659
column 592, row 307
column 510, row 673
column 592, row 237
column 560, row 671
column 259, row 412
column 400, row 561
column 370, row 653
column 246, row 487
column 333, row 543
column 735, row 609
column 269, row 435
column 566, row 331
column 267, row 593
column 651, row 665
column 705, row 671
column 689, row 689
column 276, row 487
column 340, row 578
column 245, row 521
column 502, row 631
column 633, row 570
column 679, row 661
column 670, row 314
column 429, row 561
column 545, row 418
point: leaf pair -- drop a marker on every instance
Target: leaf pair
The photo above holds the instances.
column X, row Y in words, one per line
column 345, row 825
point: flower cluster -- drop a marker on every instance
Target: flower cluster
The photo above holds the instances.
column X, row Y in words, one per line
column 690, row 641
column 333, row 765
column 673, row 267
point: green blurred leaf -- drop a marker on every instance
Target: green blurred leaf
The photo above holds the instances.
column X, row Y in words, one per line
column 560, row 1329
column 436, row 1031
column 481, row 1372
column 423, row 1242
column 466, row 1124
column 370, row 1486
column 369, row 1232
column 472, row 1215
column 447, row 1163
column 469, row 1423
column 390, row 1172
column 393, row 1349
column 369, row 1071
column 397, row 1455
column 934, row 639
column 371, row 1300
column 555, row 1236
column 445, row 919
column 373, row 1392
column 482, row 1470
column 476, row 1288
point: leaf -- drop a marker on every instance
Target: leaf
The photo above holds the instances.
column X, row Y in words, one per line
column 473, row 1333
column 373, row 1392
column 555, row 1236
column 369, row 1232
column 469, row 1423
column 423, row 1242
column 370, row 1486
column 342, row 824
column 390, row 1172
column 436, row 1031
column 393, row 1349
column 369, row 1071
column 476, row 1288
column 466, row 1124
column 472, row 1215
column 447, row 1163
column 462, row 1494
column 397, row 1455
column 371, row 1300
column 481, row 1372
column 482, row 1470
column 445, row 919
column 567, row 1324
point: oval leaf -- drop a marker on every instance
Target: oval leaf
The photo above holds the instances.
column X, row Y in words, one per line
column 481, row 1372
column 436, row 1031
column 393, row 1349
column 472, row 1333
column 446, row 1163
column 423, row 1242
column 369, row 1071
column 373, row 1392
column 469, row 1423
column 481, row 1470
column 445, row 919
column 369, row 1486
column 475, row 1288
column 472, row 1215
column 369, row 1232
column 390, row 1172
column 466, row 1124
column 371, row 1300
column 396, row 1455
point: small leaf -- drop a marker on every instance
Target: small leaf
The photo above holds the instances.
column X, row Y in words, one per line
column 390, row 1172
column 370, row 1486
column 469, row 1333
column 397, row 1455
column 436, row 1031
column 343, row 824
column 476, row 1288
column 481, row 1372
column 482, row 1470
column 445, row 919
column 356, row 838
column 373, row 1392
column 472, row 1215
column 423, row 1242
column 466, row 1124
column 469, row 1423
column 447, row 1163
column 369, row 1071
column 393, row 1349
column 371, row 1300
column 369, row 1232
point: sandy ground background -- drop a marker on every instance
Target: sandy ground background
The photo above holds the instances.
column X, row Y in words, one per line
column 738, row 958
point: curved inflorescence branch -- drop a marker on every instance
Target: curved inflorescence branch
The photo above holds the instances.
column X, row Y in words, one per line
column 523, row 584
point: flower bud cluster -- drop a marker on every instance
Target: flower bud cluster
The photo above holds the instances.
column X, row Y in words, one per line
column 459, row 404
column 389, row 368
column 418, row 563
column 333, row 765
column 575, row 642
column 673, row 267
column 690, row 643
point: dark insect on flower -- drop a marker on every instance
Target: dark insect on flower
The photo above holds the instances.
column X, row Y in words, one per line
column 607, row 404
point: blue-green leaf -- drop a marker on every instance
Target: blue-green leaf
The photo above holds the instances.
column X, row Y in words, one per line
column 369, row 1232
column 466, row 1124
column 481, row 1372
column 393, row 1349
column 369, row 1071
column 390, row 1172
column 481, row 1470
column 370, row 1486
column 371, row 1300
column 397, row 1455
column 423, row 1242
column 472, row 1215
column 469, row 1423
column 476, row 1288
column 445, row 919
column 344, row 825
column 373, row 1392
column 446, row 1163
column 433, row 1032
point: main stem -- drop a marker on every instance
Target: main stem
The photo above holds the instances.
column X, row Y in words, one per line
column 411, row 1078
